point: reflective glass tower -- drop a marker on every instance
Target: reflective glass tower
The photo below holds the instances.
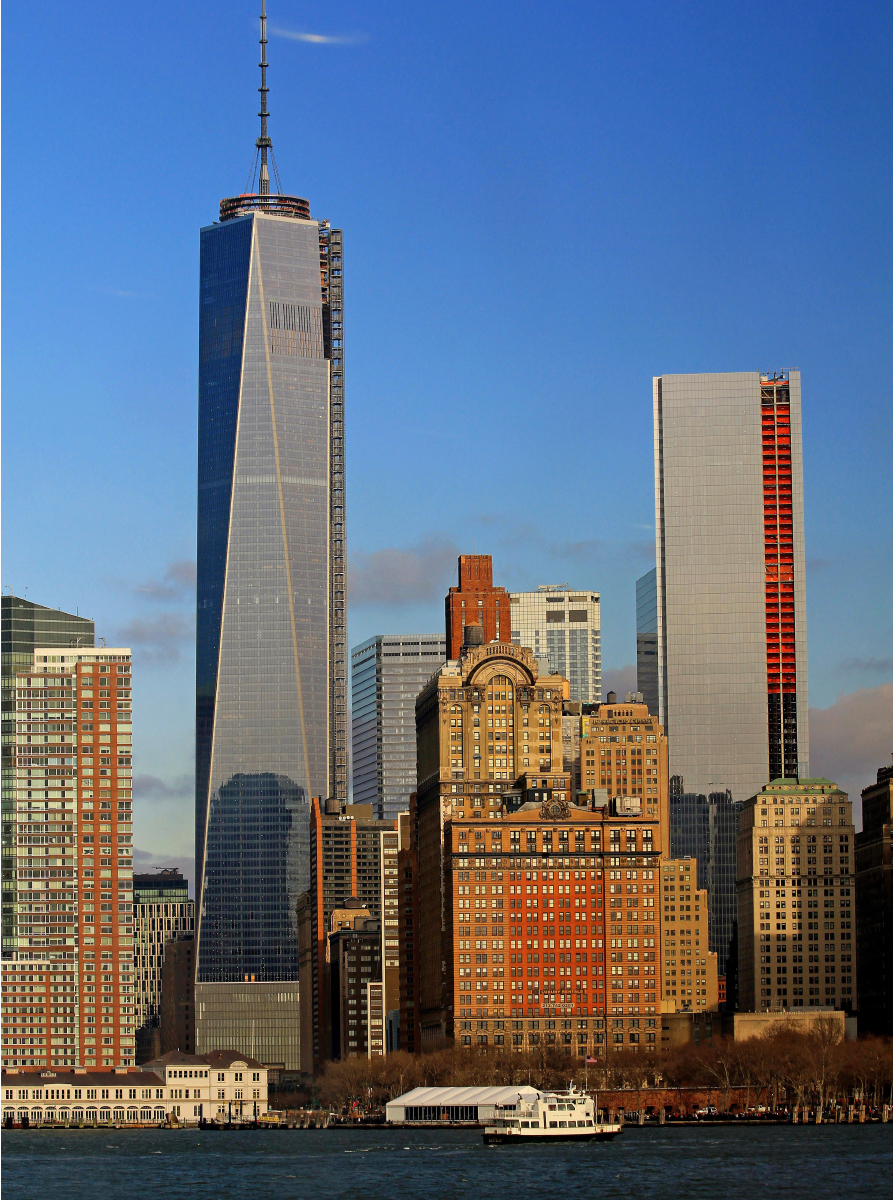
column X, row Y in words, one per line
column 271, row 704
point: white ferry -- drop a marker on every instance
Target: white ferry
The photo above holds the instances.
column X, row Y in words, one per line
column 545, row 1117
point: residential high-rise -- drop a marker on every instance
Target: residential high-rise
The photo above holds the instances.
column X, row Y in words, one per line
column 705, row 828
column 161, row 910
column 730, row 582
column 23, row 626
column 476, row 601
column 874, row 906
column 795, row 897
column 354, row 864
column 68, row 975
column 387, row 673
column 564, row 625
column 646, row 640
column 689, row 967
column 271, row 670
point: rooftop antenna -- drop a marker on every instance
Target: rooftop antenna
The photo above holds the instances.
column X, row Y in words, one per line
column 263, row 143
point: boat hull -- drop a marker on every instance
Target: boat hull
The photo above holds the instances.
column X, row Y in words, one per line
column 494, row 1138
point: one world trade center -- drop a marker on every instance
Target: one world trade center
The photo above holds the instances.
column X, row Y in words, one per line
column 271, row 712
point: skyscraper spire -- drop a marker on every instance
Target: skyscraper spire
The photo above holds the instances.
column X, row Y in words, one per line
column 264, row 143
column 264, row 199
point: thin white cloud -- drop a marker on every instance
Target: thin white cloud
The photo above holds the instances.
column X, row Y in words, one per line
column 403, row 576
column 157, row 639
column 322, row 39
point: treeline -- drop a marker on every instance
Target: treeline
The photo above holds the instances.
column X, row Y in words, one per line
column 786, row 1065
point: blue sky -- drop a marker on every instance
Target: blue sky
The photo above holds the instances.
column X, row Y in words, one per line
column 544, row 205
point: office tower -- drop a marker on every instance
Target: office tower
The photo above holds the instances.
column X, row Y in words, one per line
column 731, row 601
column 476, row 600
column 646, row 640
column 624, row 754
column 795, row 897
column 874, row 906
column 271, row 711
column 70, row 962
column 353, row 864
column 706, row 828
column 23, row 626
column 161, row 910
column 690, row 976
column 387, row 673
column 563, row 625
column 178, row 995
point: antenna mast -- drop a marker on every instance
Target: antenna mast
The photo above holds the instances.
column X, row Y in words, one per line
column 264, row 143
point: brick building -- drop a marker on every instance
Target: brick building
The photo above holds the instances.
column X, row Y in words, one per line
column 476, row 600
column 68, row 971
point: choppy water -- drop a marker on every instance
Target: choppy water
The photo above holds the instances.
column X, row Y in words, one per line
column 823, row 1161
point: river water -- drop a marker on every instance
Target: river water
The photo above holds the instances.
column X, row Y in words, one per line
column 719, row 1162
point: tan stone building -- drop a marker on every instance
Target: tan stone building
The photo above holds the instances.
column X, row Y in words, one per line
column 536, row 919
column 624, row 755
column 689, row 969
column 481, row 722
column 796, row 897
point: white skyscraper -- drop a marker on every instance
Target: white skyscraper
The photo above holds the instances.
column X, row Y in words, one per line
column 731, row 603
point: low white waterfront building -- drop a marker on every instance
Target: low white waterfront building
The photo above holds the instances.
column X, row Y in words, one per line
column 221, row 1086
column 455, row 1105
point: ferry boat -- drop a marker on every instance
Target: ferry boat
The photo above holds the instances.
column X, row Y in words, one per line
column 550, row 1116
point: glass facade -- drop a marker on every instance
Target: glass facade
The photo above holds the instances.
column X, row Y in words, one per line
column 263, row 704
column 261, row 1020
column 646, row 640
column 387, row 674
column 565, row 627
column 706, row 828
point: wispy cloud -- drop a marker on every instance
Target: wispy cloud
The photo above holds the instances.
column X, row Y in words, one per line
column 815, row 565
column 178, row 579
column 113, row 291
column 322, row 39
column 154, row 788
column 881, row 665
column 157, row 639
column 393, row 576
